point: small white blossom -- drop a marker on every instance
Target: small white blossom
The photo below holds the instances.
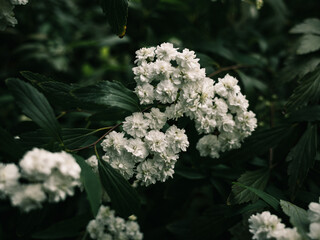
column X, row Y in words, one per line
column 9, row 178
column 263, row 225
column 144, row 54
column 314, row 230
column 93, row 163
column 137, row 148
column 166, row 51
column 156, row 119
column 135, row 125
column 156, row 141
column 28, row 197
column 145, row 93
column 166, row 92
column 177, row 139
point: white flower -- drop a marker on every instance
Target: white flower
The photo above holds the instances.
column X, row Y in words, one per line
column 106, row 226
column 166, row 51
column 37, row 164
column 161, row 70
column 229, row 141
column 156, row 119
column 220, row 106
column 174, row 111
column 143, row 73
column 286, row 234
column 209, row 145
column 19, row 2
column 246, row 121
column 147, row 173
column 124, row 163
column 114, row 141
column 135, row 125
column 9, row 178
column 144, row 54
column 145, row 93
column 93, row 163
column 156, row 141
column 137, row 148
column 187, row 59
column 314, row 230
column 177, row 139
column 314, row 212
column 263, row 225
column 95, row 229
column 67, row 165
column 227, row 85
column 166, row 92
column 28, row 197
column 227, row 123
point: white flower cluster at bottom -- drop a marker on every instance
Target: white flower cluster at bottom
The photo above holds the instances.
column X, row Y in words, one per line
column 106, row 226
column 50, row 176
column 268, row 226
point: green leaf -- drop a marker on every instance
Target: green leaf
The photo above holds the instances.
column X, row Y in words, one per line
column 35, row 105
column 108, row 94
column 91, row 184
column 298, row 217
column 64, row 229
column 307, row 91
column 260, row 142
column 272, row 201
column 302, row 157
column 308, row 43
column 77, row 137
column 9, row 145
column 117, row 13
column 257, row 179
column 189, row 173
column 298, row 67
column 124, row 198
column 309, row 26
column 252, row 84
column 35, row 78
column 309, row 114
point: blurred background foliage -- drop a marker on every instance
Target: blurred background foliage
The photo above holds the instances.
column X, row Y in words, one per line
column 71, row 42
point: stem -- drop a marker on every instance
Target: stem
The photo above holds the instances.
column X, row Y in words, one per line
column 93, row 144
column 233, row 67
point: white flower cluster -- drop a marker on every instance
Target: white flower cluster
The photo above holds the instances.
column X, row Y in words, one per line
column 106, row 226
column 51, row 176
column 6, row 12
column 219, row 109
column 314, row 218
column 149, row 154
column 268, row 226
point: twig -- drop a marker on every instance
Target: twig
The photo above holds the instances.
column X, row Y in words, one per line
column 233, row 67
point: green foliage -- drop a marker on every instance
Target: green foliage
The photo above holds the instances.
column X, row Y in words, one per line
column 117, row 13
column 35, row 105
column 108, row 94
column 124, row 198
column 9, row 145
column 302, row 157
column 256, row 179
column 64, row 229
column 298, row 217
column 272, row 201
column 91, row 184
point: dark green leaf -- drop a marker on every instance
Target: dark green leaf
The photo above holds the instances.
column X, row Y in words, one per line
column 189, row 173
column 109, row 94
column 124, row 198
column 252, row 84
column 302, row 157
column 9, row 145
column 307, row 91
column 64, row 229
column 110, row 114
column 35, row 78
column 306, row 114
column 260, row 142
column 309, row 26
column 91, row 184
column 257, row 179
column 308, row 43
column 272, row 201
column 35, row 105
column 298, row 217
column 77, row 137
column 117, row 13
